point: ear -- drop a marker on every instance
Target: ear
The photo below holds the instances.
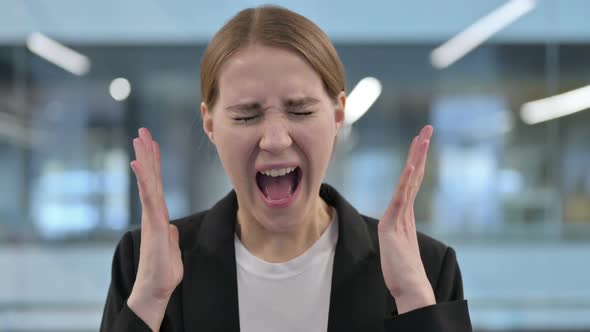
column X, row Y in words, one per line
column 207, row 121
column 340, row 110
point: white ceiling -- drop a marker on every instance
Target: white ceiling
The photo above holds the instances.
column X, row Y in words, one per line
column 182, row 21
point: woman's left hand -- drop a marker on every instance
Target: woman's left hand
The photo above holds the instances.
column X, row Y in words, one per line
column 402, row 266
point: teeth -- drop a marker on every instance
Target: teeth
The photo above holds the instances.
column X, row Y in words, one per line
column 278, row 171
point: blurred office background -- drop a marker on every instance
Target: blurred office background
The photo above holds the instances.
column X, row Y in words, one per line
column 508, row 181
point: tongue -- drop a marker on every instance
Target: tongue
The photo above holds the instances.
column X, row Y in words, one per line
column 276, row 188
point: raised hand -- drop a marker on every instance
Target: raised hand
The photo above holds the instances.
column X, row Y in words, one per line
column 160, row 267
column 402, row 266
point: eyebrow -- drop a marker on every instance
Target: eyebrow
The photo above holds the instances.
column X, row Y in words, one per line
column 290, row 102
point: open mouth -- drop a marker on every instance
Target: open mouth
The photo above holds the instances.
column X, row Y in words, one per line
column 279, row 184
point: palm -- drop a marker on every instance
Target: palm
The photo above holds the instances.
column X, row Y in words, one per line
column 401, row 264
column 160, row 267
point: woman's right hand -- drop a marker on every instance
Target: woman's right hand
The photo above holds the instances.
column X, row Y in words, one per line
column 160, row 267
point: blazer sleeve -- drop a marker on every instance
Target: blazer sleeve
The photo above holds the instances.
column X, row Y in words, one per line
column 449, row 314
column 117, row 316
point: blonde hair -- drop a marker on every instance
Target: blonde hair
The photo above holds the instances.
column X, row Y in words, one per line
column 275, row 27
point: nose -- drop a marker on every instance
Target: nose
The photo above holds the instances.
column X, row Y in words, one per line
column 275, row 134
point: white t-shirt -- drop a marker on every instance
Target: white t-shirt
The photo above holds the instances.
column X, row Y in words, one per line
column 290, row 296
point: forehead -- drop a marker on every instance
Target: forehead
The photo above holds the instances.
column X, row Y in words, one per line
column 264, row 72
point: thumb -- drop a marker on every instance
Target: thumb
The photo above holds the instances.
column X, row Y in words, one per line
column 173, row 233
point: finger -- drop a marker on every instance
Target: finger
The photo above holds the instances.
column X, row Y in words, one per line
column 158, row 166
column 146, row 138
column 423, row 135
column 141, row 159
column 158, row 177
column 420, row 163
column 139, row 171
column 173, row 232
column 418, row 176
column 396, row 206
column 420, row 152
column 426, row 135
column 150, row 202
column 417, row 159
column 411, row 152
column 154, row 219
column 142, row 156
column 416, row 180
column 414, row 155
column 426, row 132
column 145, row 134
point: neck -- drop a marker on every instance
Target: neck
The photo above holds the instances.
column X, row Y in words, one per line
column 278, row 247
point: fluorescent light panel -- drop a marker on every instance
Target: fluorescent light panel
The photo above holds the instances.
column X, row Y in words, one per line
column 556, row 106
column 361, row 98
column 473, row 36
column 58, row 54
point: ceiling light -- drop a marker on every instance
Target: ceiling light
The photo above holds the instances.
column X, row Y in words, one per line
column 361, row 98
column 474, row 35
column 556, row 106
column 58, row 54
column 120, row 88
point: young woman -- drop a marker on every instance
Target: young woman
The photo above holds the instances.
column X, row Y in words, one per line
column 282, row 251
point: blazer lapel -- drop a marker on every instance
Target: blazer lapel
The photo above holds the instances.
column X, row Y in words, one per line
column 209, row 286
column 355, row 261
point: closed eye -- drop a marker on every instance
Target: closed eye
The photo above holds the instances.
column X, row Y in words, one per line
column 246, row 119
column 300, row 113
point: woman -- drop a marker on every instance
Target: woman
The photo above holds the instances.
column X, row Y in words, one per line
column 282, row 251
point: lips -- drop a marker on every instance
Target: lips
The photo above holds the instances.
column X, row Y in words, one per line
column 278, row 187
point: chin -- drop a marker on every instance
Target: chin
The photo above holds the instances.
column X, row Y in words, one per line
column 281, row 220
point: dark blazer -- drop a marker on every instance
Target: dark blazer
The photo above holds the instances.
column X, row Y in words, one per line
column 207, row 298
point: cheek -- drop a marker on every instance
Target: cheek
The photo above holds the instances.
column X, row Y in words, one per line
column 317, row 138
column 234, row 148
